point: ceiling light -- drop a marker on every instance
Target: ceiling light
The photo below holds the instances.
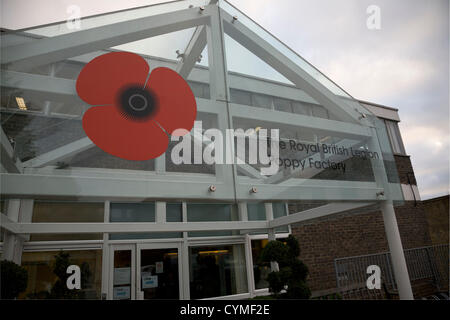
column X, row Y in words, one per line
column 21, row 103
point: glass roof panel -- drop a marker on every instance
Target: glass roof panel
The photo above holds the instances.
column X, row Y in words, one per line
column 90, row 22
column 293, row 56
column 289, row 53
column 164, row 46
column 242, row 61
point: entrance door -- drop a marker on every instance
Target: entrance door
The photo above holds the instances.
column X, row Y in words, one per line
column 158, row 272
column 122, row 276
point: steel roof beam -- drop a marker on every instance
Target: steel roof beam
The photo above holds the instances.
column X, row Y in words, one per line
column 48, row 50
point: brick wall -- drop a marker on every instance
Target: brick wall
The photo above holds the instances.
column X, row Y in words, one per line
column 437, row 213
column 405, row 170
column 353, row 234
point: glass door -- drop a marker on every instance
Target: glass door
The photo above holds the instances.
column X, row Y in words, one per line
column 158, row 271
column 122, row 274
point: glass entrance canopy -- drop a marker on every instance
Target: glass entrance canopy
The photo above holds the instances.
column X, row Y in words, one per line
column 274, row 127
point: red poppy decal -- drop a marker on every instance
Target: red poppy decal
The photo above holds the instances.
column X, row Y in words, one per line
column 131, row 115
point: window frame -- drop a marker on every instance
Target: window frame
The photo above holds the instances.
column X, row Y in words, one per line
column 398, row 137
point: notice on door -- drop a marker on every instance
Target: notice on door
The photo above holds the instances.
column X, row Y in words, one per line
column 149, row 281
column 121, row 293
column 122, row 276
column 159, row 267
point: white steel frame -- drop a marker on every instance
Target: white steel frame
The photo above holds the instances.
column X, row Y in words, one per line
column 211, row 22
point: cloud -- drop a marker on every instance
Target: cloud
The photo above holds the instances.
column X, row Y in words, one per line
column 403, row 65
column 366, row 74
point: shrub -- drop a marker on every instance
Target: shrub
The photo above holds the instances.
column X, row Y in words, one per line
column 13, row 279
column 293, row 271
column 275, row 251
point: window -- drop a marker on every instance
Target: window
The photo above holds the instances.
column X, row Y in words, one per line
column 262, row 101
column 241, row 97
column 144, row 212
column 260, row 271
column 256, row 212
column 217, row 271
column 44, row 283
column 200, row 90
column 67, row 212
column 300, row 108
column 319, row 112
column 395, row 137
column 211, row 212
column 282, row 105
column 279, row 210
column 132, row 212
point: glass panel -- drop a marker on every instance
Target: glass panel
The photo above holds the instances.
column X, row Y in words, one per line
column 394, row 137
column 314, row 155
column 46, row 281
column 206, row 121
column 67, row 212
column 301, row 108
column 113, row 17
column 132, row 212
column 256, row 212
column 159, row 273
column 174, row 212
column 260, row 271
column 95, row 157
column 320, row 112
column 164, row 45
column 44, row 124
column 44, row 211
column 293, row 56
column 122, row 275
column 388, row 164
column 253, row 66
column 217, row 271
column 3, row 206
column 144, row 212
column 242, row 61
column 262, row 101
column 34, row 134
column 200, row 90
column 282, row 105
column 241, row 97
column 46, row 121
column 211, row 212
column 279, row 210
column 65, row 236
column 145, row 235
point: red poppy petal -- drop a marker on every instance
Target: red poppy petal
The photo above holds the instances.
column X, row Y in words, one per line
column 122, row 138
column 101, row 79
column 177, row 108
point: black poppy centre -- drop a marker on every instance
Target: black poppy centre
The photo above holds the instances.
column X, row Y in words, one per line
column 137, row 103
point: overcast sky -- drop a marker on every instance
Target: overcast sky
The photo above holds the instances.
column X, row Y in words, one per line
column 405, row 64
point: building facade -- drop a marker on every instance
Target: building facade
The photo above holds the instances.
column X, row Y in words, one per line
column 158, row 228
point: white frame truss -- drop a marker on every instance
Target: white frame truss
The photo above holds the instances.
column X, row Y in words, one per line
column 211, row 23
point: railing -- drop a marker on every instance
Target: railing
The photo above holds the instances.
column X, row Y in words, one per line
column 430, row 263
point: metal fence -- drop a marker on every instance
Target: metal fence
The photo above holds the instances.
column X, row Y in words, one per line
column 430, row 263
